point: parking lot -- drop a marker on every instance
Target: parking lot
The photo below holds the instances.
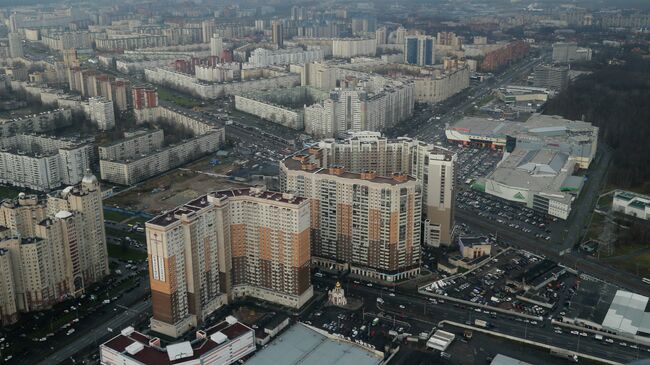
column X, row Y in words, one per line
column 513, row 280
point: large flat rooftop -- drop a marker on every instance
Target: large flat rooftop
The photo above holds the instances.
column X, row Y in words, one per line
column 301, row 345
column 201, row 202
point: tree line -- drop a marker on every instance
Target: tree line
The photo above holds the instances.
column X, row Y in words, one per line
column 616, row 99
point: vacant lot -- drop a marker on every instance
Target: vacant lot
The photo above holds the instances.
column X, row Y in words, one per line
column 169, row 191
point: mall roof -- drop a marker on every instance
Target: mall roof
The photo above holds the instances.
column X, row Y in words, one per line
column 628, row 313
column 302, row 345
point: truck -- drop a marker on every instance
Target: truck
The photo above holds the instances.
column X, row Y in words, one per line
column 481, row 323
column 564, row 354
column 468, row 334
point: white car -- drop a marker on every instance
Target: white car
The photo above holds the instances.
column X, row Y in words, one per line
column 402, row 307
column 392, row 294
column 609, row 340
column 575, row 332
column 583, row 334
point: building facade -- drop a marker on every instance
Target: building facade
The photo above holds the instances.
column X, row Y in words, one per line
column 361, row 222
column 433, row 166
column 262, row 57
column 269, row 238
column 51, row 249
column 101, row 112
column 420, row 50
column 43, row 163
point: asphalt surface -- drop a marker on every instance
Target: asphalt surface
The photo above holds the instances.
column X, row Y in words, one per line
column 100, row 332
column 423, row 315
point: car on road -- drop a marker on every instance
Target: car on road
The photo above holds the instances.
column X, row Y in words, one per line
column 401, row 306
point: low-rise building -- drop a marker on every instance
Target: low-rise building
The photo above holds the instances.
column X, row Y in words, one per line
column 221, row 344
column 633, row 204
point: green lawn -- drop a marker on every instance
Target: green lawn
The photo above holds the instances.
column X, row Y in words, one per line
column 639, row 262
column 121, row 253
column 176, row 98
column 117, row 233
column 9, row 191
column 112, row 215
column 137, row 219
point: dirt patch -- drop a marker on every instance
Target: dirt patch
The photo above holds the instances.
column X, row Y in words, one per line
column 169, row 191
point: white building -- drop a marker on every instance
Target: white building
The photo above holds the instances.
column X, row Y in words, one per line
column 567, row 52
column 442, row 84
column 223, row 72
column 636, row 205
column 262, row 57
column 43, row 163
column 264, row 79
column 354, row 47
column 15, row 45
column 101, row 112
column 216, row 46
column 360, row 109
column 133, row 144
column 221, row 344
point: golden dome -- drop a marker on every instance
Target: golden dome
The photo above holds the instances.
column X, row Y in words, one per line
column 338, row 285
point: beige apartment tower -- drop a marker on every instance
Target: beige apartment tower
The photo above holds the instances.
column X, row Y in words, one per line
column 225, row 245
column 433, row 166
column 54, row 247
column 361, row 221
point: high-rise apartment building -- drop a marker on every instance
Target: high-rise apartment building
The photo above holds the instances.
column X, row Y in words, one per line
column 269, row 239
column 53, row 248
column 184, row 267
column 433, row 166
column 243, row 242
column 15, row 45
column 216, row 45
column 277, row 32
column 381, row 34
column 551, row 76
column 361, row 221
column 101, row 112
column 420, row 50
column 400, row 35
column 144, row 98
column 208, row 27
